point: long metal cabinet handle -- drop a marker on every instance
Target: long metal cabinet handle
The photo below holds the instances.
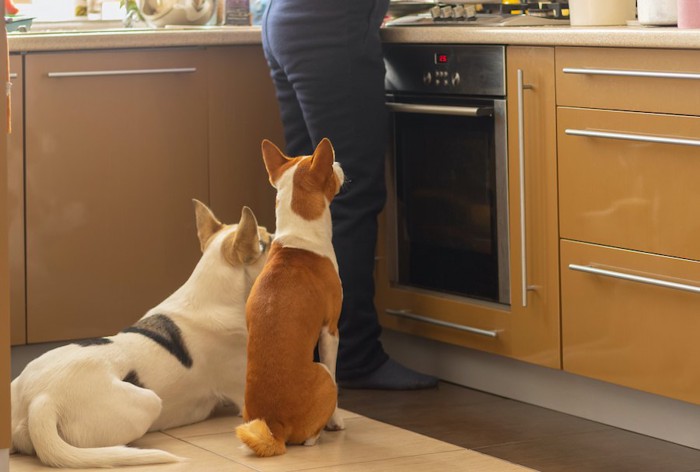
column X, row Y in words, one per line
column 439, row 110
column 97, row 73
column 521, row 159
column 633, row 73
column 424, row 319
column 632, row 137
column 635, row 278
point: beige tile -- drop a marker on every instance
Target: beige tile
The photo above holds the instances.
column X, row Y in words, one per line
column 198, row 460
column 456, row 460
column 363, row 440
column 224, row 420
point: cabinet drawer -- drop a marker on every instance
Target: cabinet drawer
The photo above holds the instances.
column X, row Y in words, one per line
column 630, row 332
column 629, row 79
column 623, row 192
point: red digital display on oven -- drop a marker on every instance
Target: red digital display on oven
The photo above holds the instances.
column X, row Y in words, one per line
column 441, row 58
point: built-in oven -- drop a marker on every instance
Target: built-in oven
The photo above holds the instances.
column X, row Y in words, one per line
column 447, row 208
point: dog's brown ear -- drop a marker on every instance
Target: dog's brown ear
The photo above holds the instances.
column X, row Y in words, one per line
column 207, row 224
column 274, row 160
column 246, row 243
column 323, row 159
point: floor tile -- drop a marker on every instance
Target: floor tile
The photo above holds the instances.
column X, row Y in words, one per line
column 197, row 459
column 477, row 420
column 223, row 420
column 363, row 440
column 605, row 451
column 462, row 460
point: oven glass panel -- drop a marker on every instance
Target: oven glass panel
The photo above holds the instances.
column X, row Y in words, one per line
column 446, row 204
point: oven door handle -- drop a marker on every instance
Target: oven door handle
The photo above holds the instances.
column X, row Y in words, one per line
column 439, row 109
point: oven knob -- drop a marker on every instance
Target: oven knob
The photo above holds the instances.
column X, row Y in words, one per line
column 446, row 12
column 456, row 79
column 427, row 78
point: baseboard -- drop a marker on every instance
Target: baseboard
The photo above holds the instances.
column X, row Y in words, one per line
column 651, row 415
column 4, row 460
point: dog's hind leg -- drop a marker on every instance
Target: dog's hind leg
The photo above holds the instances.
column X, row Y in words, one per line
column 116, row 413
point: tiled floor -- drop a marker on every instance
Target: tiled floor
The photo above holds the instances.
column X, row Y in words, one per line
column 528, row 435
column 366, row 445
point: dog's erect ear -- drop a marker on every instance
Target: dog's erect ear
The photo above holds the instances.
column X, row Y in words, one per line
column 274, row 159
column 323, row 159
column 246, row 244
column 207, row 224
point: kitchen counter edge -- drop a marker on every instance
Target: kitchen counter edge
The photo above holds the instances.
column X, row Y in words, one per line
column 630, row 36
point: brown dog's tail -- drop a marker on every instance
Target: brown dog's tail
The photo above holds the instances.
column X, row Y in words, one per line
column 256, row 434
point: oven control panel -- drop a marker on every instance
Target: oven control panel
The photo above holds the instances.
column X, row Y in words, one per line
column 445, row 69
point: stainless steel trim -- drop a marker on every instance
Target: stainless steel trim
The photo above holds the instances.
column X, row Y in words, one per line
column 94, row 73
column 521, row 159
column 635, row 278
column 439, row 110
column 424, row 319
column 632, row 137
column 503, row 234
column 633, row 73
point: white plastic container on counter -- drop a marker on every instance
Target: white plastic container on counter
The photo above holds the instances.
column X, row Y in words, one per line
column 657, row 12
column 689, row 13
column 601, row 12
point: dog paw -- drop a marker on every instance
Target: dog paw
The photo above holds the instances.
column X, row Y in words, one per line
column 312, row 441
column 336, row 423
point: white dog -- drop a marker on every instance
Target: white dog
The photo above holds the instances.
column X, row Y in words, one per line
column 78, row 405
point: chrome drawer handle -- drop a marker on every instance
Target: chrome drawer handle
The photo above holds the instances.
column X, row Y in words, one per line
column 632, row 137
column 424, row 319
column 635, row 278
column 97, row 73
column 521, row 159
column 439, row 110
column 633, row 73
column 13, row 75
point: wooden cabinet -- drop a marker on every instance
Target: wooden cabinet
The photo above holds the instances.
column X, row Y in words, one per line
column 628, row 153
column 117, row 145
column 527, row 329
column 15, row 196
column 631, row 318
column 5, row 438
column 116, row 148
column 243, row 111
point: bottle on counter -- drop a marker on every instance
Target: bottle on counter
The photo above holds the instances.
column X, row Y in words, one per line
column 689, row 13
column 657, row 12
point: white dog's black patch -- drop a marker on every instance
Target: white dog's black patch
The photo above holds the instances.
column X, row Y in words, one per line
column 93, row 342
column 133, row 378
column 165, row 332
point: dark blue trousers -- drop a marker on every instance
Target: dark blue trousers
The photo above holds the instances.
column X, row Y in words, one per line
column 326, row 62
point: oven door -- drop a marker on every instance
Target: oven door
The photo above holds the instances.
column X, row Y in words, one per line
column 449, row 196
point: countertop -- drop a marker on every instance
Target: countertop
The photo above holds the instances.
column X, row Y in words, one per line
column 629, row 36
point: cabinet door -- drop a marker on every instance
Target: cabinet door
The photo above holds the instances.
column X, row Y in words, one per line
column 533, row 216
column 527, row 332
column 243, row 111
column 15, row 195
column 631, row 318
column 116, row 148
column 5, row 437
column 630, row 180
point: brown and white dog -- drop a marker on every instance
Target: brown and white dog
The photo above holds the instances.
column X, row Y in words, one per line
column 78, row 405
column 295, row 304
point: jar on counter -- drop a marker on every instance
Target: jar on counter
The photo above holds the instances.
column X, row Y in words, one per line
column 689, row 13
column 657, row 12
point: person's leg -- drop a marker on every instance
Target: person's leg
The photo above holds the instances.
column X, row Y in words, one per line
column 335, row 67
